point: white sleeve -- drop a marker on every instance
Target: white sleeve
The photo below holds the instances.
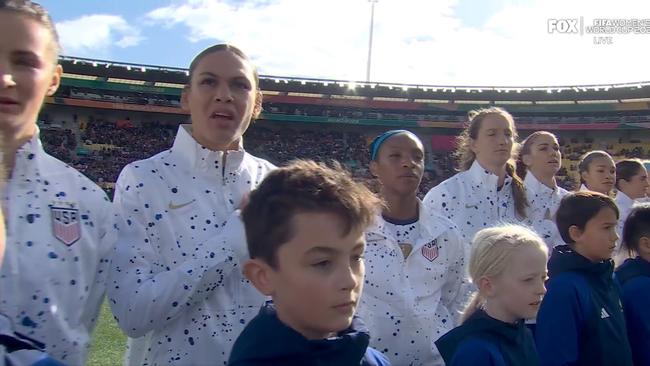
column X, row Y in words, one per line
column 438, row 201
column 144, row 293
column 457, row 288
column 105, row 244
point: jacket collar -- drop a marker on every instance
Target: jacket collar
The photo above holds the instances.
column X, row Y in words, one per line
column 483, row 178
column 30, row 160
column 187, row 150
column 623, row 200
column 431, row 226
column 632, row 268
column 534, row 186
column 266, row 340
column 514, row 340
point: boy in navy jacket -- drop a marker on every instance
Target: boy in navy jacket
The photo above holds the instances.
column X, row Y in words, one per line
column 305, row 228
column 580, row 321
column 634, row 278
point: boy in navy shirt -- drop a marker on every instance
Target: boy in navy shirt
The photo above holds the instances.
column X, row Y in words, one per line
column 580, row 321
column 305, row 228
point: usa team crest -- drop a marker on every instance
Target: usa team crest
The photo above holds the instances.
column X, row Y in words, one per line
column 430, row 251
column 65, row 224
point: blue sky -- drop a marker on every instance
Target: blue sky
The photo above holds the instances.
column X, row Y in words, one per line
column 441, row 42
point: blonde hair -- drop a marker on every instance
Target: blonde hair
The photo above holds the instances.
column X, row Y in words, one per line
column 492, row 251
column 466, row 156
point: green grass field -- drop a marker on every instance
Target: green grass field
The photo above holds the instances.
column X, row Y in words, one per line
column 109, row 343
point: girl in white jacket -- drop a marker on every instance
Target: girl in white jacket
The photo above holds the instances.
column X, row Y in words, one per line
column 538, row 161
column 415, row 265
column 487, row 190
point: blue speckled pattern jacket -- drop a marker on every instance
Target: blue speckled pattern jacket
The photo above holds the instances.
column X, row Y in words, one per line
column 176, row 275
column 60, row 235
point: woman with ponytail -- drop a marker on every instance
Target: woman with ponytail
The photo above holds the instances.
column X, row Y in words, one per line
column 487, row 190
column 508, row 266
column 538, row 161
column 597, row 172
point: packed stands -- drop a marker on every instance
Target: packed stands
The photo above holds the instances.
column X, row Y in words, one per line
column 106, row 146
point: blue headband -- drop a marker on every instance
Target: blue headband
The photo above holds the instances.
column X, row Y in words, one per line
column 379, row 140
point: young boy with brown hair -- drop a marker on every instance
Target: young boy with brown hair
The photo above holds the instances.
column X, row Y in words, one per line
column 305, row 228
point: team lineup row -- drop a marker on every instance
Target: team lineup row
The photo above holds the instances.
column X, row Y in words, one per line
column 199, row 237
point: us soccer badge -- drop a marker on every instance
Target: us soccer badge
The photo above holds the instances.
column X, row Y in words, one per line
column 430, row 251
column 66, row 225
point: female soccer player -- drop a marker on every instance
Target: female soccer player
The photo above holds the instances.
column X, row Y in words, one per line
column 414, row 260
column 488, row 189
column 538, row 161
column 176, row 274
column 60, row 230
column 631, row 186
column 597, row 172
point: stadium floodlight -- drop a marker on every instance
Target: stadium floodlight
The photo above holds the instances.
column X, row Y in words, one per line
column 453, row 90
column 302, row 82
column 550, row 91
column 405, row 88
column 576, row 89
column 143, row 69
column 187, row 73
column 277, row 81
column 108, row 65
column 372, row 26
column 352, row 85
column 128, row 67
column 75, row 62
column 480, row 90
column 94, row 64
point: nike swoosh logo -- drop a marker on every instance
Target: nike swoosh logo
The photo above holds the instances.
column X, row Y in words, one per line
column 175, row 207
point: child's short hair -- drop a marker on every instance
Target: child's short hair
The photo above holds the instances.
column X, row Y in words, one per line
column 492, row 250
column 303, row 186
column 577, row 208
column 637, row 225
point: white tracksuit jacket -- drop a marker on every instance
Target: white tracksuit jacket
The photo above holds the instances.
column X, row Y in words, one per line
column 60, row 235
column 176, row 275
column 543, row 203
column 470, row 199
column 409, row 303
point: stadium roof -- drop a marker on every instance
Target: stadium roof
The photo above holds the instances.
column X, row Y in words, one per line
column 170, row 76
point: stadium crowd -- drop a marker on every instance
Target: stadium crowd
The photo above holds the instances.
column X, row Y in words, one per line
column 118, row 146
